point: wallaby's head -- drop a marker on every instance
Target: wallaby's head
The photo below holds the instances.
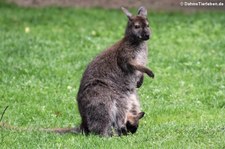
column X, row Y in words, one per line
column 133, row 122
column 138, row 26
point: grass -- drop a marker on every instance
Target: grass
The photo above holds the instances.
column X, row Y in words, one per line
column 44, row 51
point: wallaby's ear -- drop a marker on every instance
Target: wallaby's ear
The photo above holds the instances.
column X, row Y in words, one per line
column 142, row 11
column 128, row 14
column 141, row 114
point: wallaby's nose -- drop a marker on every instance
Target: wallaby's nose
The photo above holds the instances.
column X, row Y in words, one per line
column 146, row 36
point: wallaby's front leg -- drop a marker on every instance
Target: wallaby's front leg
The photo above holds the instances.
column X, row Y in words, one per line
column 140, row 81
column 141, row 68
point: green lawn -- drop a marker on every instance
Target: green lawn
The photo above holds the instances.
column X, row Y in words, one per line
column 44, row 51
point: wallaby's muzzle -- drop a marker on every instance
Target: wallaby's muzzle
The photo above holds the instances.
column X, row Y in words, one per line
column 146, row 33
column 146, row 37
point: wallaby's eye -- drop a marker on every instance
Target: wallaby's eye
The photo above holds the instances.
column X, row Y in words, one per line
column 147, row 25
column 137, row 26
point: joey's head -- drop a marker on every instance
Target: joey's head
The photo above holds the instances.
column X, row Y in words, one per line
column 133, row 122
column 137, row 26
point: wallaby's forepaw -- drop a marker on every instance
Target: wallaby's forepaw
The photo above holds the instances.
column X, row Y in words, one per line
column 140, row 81
column 150, row 74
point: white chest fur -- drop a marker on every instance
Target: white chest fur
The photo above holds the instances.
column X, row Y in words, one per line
column 141, row 54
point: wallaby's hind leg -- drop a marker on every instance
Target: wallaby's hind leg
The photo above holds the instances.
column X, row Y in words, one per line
column 101, row 128
column 98, row 120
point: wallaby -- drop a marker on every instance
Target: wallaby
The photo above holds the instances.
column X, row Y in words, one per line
column 107, row 96
column 108, row 86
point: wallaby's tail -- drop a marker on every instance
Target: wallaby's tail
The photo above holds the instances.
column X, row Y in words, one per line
column 73, row 130
column 3, row 125
column 7, row 126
